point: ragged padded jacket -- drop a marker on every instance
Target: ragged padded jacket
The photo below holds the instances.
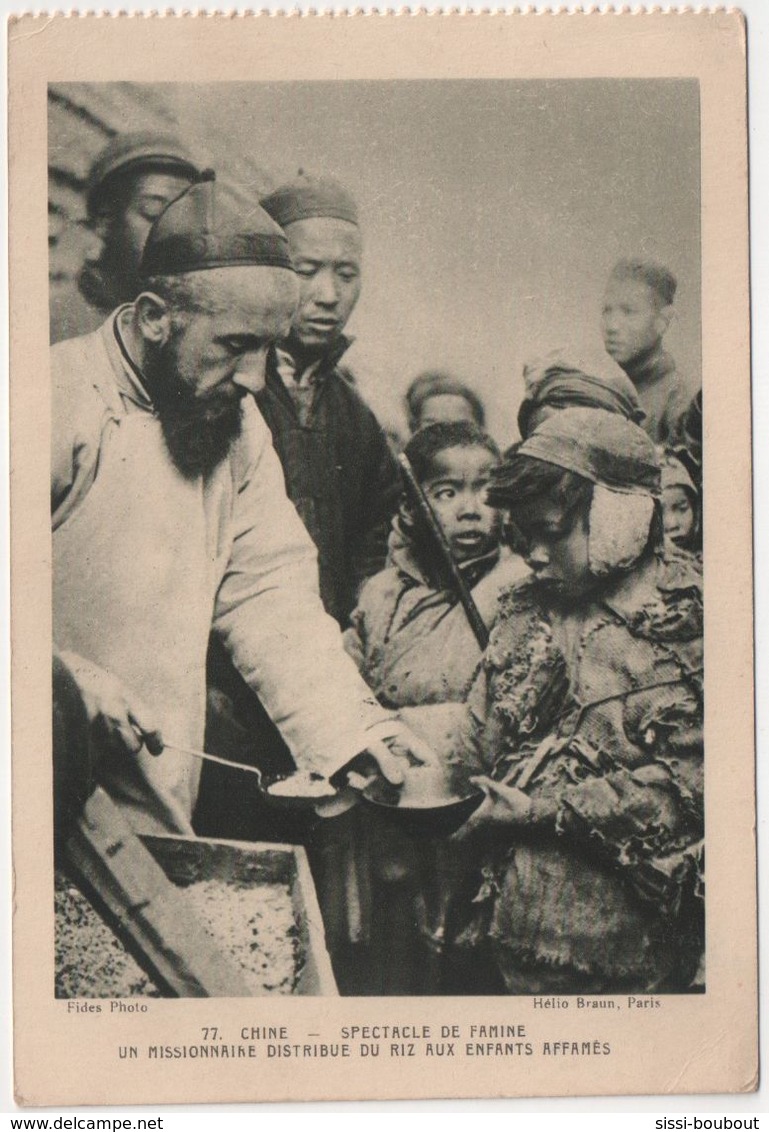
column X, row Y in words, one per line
column 600, row 714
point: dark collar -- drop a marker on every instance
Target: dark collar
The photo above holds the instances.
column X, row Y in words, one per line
column 328, row 360
column 131, row 381
column 651, row 367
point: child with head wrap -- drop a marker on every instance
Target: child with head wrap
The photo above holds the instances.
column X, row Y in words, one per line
column 561, row 379
column 414, row 646
column 585, row 728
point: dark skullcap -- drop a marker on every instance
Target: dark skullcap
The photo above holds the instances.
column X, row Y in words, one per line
column 599, row 446
column 203, row 229
column 133, row 152
column 560, row 379
column 307, row 198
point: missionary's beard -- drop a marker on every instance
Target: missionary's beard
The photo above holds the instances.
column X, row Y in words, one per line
column 200, row 439
column 198, row 432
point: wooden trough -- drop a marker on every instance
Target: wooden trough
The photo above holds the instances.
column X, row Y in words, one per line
column 137, row 886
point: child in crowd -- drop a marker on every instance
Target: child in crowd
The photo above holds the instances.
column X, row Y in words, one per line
column 414, row 646
column 436, row 397
column 410, row 636
column 680, row 505
column 585, row 726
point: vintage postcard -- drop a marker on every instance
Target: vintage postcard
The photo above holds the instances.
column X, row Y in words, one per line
column 381, row 558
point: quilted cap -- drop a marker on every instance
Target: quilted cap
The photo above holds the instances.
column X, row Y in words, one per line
column 138, row 150
column 205, row 228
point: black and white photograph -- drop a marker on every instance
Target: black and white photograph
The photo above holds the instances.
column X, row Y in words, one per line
column 381, row 602
column 377, row 543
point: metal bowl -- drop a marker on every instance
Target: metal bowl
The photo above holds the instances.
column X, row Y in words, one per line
column 434, row 818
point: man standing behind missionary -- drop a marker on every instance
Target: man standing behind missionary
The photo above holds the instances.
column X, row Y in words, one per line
column 339, row 471
column 170, row 520
column 132, row 180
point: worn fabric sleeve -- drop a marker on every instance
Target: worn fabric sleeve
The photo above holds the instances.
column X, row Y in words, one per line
column 269, row 615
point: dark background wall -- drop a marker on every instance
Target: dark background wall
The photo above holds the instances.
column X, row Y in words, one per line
column 492, row 210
